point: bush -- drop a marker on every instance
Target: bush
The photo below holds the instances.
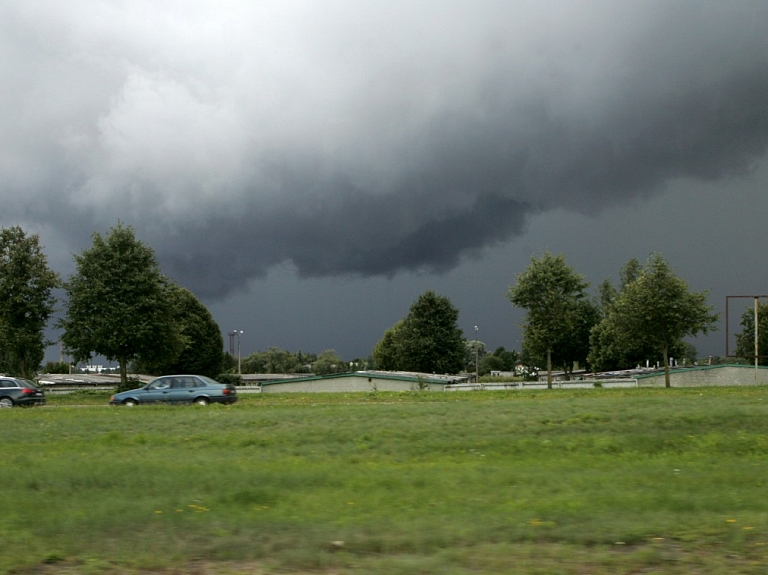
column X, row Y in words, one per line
column 55, row 367
column 232, row 378
column 130, row 383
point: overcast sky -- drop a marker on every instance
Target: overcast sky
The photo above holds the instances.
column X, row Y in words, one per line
column 308, row 168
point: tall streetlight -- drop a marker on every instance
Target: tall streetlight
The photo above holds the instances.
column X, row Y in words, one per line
column 477, row 354
column 238, row 334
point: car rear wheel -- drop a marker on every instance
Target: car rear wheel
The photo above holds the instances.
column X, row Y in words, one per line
column 131, row 402
column 6, row 402
column 201, row 401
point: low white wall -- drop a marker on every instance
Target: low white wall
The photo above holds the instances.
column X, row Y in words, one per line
column 349, row 384
column 708, row 376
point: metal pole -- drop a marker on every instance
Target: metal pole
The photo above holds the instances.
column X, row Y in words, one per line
column 477, row 354
column 239, row 370
column 756, row 342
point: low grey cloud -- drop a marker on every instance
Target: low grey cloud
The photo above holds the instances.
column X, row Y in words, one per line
column 363, row 138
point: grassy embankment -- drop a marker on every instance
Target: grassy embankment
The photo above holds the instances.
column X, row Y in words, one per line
column 603, row 481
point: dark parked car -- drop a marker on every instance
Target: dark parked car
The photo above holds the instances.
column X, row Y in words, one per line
column 18, row 391
column 178, row 389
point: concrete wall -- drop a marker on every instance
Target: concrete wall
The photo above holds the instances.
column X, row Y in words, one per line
column 714, row 375
column 349, row 383
column 720, row 375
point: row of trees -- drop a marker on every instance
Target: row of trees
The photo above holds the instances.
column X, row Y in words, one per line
column 647, row 317
column 118, row 305
column 429, row 340
column 276, row 360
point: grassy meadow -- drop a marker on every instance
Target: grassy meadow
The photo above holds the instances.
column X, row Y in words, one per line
column 577, row 481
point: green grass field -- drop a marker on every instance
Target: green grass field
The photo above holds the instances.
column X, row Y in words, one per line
column 593, row 481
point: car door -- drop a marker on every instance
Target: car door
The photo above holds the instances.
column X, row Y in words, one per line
column 158, row 391
column 9, row 392
column 182, row 390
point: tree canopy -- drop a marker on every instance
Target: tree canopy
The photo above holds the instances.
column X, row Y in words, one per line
column 608, row 349
column 553, row 296
column 427, row 340
column 328, row 362
column 202, row 345
column 276, row 360
column 656, row 310
column 26, row 301
column 386, row 353
column 119, row 303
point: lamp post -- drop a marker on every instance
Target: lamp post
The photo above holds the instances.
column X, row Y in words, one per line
column 757, row 347
column 477, row 354
column 238, row 334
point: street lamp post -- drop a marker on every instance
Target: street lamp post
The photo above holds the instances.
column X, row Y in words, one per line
column 477, row 354
column 238, row 333
column 757, row 347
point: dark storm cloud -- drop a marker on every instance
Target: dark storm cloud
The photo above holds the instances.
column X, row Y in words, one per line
column 363, row 138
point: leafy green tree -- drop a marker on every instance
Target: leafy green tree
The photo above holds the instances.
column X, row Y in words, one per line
column 573, row 348
column 202, row 350
column 427, row 340
column 328, row 362
column 608, row 350
column 656, row 309
column 386, row 353
column 745, row 341
column 491, row 363
column 630, row 272
column 26, row 301
column 281, row 361
column 606, row 295
column 252, row 363
column 551, row 293
column 508, row 357
column 119, row 304
column 229, row 365
column 276, row 360
column 56, row 367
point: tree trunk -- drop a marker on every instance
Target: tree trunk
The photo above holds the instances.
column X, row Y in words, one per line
column 549, row 368
column 665, row 355
column 23, row 370
column 123, row 370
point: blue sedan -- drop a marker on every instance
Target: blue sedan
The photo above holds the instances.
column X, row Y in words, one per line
column 196, row 389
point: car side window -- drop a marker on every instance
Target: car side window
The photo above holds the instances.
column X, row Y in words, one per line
column 8, row 383
column 160, row 384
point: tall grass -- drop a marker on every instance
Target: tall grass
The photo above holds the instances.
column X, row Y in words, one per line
column 603, row 481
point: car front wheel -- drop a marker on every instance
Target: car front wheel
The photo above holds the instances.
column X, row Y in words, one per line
column 6, row 402
column 131, row 402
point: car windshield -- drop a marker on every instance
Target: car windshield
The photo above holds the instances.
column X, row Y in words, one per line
column 208, row 380
column 28, row 383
